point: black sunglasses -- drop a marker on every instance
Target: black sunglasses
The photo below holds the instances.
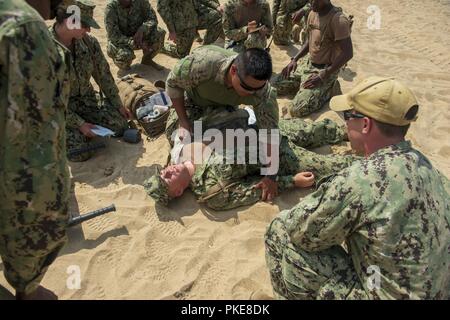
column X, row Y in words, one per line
column 348, row 115
column 246, row 87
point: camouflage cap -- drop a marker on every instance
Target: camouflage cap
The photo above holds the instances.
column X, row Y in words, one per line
column 86, row 11
column 156, row 188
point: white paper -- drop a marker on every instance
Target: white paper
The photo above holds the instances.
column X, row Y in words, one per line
column 252, row 116
column 102, row 131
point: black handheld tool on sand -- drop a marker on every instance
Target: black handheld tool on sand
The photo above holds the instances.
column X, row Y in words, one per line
column 73, row 221
column 91, row 147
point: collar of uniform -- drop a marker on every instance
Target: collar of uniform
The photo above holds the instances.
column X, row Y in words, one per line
column 402, row 146
column 52, row 31
column 224, row 67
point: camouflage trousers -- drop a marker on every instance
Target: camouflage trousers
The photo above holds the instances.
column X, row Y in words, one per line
column 293, row 159
column 101, row 114
column 254, row 40
column 300, row 275
column 285, row 30
column 210, row 20
column 306, row 101
column 33, row 218
column 124, row 55
column 297, row 135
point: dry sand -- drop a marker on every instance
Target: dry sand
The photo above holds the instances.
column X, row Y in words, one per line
column 188, row 252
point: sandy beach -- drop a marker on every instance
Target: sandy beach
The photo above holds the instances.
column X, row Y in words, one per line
column 186, row 251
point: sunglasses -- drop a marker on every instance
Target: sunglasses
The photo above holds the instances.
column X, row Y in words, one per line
column 349, row 115
column 246, row 87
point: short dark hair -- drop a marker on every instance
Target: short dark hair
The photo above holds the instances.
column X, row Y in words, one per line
column 390, row 130
column 61, row 15
column 54, row 7
column 254, row 62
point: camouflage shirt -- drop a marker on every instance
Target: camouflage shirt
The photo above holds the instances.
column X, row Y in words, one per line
column 202, row 76
column 34, row 91
column 178, row 15
column 237, row 15
column 88, row 61
column 122, row 23
column 392, row 211
column 287, row 7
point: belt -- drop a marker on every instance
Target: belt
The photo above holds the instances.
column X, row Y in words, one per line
column 319, row 66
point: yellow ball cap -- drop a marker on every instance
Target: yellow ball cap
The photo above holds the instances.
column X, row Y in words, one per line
column 384, row 99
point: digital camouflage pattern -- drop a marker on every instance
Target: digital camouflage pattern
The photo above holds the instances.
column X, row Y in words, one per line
column 123, row 23
column 201, row 76
column 85, row 104
column 282, row 18
column 306, row 101
column 34, row 175
column 391, row 210
column 156, row 187
column 236, row 16
column 238, row 180
column 185, row 17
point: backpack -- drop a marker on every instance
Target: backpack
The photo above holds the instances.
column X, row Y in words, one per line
column 133, row 92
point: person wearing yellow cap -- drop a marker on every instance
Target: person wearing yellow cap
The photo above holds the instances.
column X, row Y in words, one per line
column 87, row 108
column 378, row 229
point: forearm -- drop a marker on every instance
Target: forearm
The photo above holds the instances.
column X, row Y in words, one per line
column 303, row 51
column 178, row 104
column 340, row 61
column 150, row 21
column 237, row 195
column 236, row 34
column 73, row 120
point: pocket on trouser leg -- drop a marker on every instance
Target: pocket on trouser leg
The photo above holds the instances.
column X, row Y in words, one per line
column 301, row 281
column 306, row 102
column 285, row 87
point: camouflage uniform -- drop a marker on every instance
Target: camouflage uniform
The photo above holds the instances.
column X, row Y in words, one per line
column 123, row 23
column 282, row 18
column 235, row 19
column 85, row 105
column 237, row 180
column 34, row 175
column 306, row 101
column 185, row 17
column 201, row 76
column 391, row 210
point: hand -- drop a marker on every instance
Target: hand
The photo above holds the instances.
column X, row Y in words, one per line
column 269, row 189
column 304, row 179
column 252, row 26
column 125, row 113
column 86, row 130
column 138, row 38
column 146, row 47
column 173, row 37
column 221, row 8
column 264, row 31
column 313, row 82
column 292, row 66
column 184, row 129
column 298, row 15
